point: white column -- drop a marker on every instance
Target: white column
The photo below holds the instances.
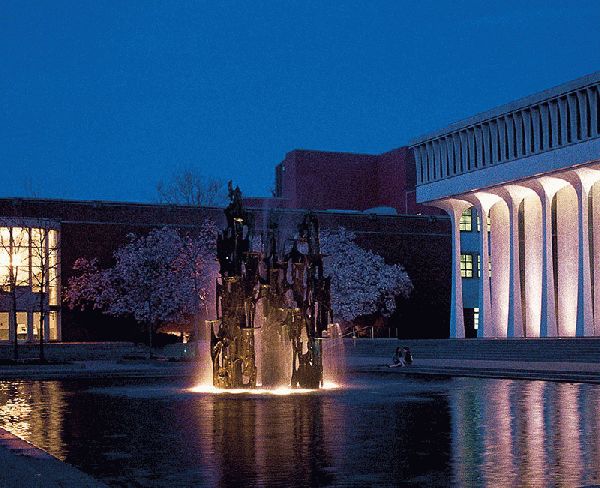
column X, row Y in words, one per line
column 548, row 323
column 582, row 180
column 483, row 202
column 532, row 267
column 455, row 208
column 545, row 188
column 595, row 219
column 499, row 257
column 485, row 306
column 515, row 311
column 513, row 196
column 585, row 313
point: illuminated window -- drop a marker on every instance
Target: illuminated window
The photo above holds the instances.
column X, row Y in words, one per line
column 476, row 318
column 466, row 265
column 53, row 316
column 22, row 326
column 479, row 267
column 4, row 329
column 5, row 277
column 29, row 264
column 53, row 268
column 20, row 263
column 36, row 325
column 489, row 224
column 466, row 221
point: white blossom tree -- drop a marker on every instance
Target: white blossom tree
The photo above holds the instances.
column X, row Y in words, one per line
column 199, row 268
column 361, row 282
column 160, row 278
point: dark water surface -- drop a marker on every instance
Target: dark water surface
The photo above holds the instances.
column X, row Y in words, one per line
column 383, row 430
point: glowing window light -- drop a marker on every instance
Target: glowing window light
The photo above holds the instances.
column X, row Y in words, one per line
column 5, row 259
column 466, row 221
column 466, row 265
column 479, row 267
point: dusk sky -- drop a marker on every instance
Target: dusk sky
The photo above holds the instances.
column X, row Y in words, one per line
column 102, row 99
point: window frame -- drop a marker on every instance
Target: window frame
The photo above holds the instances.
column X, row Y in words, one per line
column 466, row 259
column 465, row 223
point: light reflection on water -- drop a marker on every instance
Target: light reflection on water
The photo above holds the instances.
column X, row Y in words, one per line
column 530, row 433
column 385, row 430
column 34, row 409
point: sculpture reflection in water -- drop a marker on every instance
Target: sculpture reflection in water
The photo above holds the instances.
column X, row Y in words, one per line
column 291, row 294
column 298, row 441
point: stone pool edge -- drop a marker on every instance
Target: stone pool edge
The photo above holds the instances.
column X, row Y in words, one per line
column 25, row 464
column 510, row 369
column 518, row 370
column 98, row 369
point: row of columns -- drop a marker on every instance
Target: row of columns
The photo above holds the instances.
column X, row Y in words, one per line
column 51, row 325
column 535, row 306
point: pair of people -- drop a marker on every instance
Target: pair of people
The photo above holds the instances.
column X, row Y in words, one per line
column 402, row 357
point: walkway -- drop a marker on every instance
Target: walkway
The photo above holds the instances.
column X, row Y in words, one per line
column 573, row 359
column 24, row 465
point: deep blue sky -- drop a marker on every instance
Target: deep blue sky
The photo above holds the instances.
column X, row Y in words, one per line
column 101, row 99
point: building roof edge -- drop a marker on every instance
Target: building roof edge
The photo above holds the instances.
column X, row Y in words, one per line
column 520, row 103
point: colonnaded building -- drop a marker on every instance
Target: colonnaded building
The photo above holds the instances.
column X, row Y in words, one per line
column 521, row 184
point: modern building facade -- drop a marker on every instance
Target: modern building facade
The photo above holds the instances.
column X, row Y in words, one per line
column 29, row 279
column 527, row 175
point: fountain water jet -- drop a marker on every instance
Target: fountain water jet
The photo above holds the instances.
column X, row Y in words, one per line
column 273, row 308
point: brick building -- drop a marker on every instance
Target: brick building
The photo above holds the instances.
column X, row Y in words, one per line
column 96, row 229
column 322, row 180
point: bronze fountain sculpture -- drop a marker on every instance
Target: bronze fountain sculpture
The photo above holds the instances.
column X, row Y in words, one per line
column 293, row 296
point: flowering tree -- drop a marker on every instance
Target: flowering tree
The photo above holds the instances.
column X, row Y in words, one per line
column 160, row 278
column 361, row 282
column 199, row 268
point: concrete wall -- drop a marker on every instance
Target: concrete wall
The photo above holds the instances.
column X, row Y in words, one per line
column 74, row 351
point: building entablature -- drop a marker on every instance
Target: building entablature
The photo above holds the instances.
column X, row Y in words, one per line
column 550, row 131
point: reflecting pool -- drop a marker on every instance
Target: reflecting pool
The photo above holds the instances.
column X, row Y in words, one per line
column 380, row 430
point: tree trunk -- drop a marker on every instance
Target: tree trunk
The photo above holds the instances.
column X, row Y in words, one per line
column 41, row 325
column 197, row 352
column 150, row 336
column 14, row 321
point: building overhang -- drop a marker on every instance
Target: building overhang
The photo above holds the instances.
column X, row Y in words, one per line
column 578, row 154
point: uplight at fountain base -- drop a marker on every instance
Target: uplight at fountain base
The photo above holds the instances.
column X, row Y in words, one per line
column 278, row 391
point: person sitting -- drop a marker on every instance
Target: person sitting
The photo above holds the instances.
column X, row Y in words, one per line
column 407, row 356
column 398, row 358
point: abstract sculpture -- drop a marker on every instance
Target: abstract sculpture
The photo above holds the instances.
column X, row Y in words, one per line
column 294, row 299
